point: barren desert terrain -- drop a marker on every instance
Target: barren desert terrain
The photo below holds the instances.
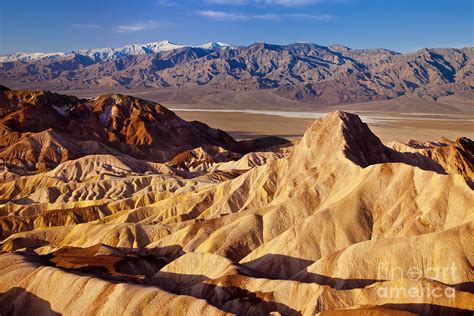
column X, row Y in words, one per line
column 236, row 157
column 116, row 204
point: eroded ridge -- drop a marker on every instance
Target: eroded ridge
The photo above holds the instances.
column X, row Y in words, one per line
column 92, row 221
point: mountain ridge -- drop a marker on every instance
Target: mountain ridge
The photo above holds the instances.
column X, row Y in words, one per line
column 320, row 226
column 300, row 71
column 163, row 45
column 71, row 128
column 109, row 52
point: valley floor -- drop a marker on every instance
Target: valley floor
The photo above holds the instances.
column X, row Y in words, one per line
column 249, row 114
column 388, row 126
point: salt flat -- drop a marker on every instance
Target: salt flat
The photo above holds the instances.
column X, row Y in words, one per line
column 248, row 114
column 244, row 124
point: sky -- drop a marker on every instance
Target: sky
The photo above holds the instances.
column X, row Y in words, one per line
column 400, row 25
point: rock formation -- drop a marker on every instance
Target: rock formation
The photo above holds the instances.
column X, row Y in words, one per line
column 339, row 223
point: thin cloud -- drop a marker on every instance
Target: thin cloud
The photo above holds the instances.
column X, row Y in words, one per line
column 289, row 3
column 220, row 15
column 229, row 2
column 167, row 4
column 286, row 3
column 147, row 25
column 230, row 16
column 322, row 17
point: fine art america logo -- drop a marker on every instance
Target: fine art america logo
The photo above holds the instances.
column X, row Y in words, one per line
column 387, row 272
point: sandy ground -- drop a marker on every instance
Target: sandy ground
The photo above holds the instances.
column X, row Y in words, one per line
column 387, row 126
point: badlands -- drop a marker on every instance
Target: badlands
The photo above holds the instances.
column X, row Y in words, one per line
column 115, row 205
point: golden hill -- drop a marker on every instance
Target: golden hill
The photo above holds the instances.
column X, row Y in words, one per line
column 337, row 224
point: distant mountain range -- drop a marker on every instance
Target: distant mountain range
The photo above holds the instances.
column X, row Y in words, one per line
column 101, row 54
column 302, row 71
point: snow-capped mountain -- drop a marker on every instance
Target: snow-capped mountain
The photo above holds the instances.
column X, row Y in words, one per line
column 302, row 71
column 111, row 53
column 214, row 45
column 27, row 57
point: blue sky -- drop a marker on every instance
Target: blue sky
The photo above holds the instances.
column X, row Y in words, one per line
column 401, row 25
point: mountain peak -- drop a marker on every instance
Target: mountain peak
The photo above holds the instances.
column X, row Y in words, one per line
column 343, row 132
column 140, row 128
column 214, row 45
column 339, row 48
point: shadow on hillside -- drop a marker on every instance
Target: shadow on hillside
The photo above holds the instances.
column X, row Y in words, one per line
column 275, row 266
column 430, row 309
column 464, row 286
column 121, row 265
column 228, row 292
column 415, row 160
column 129, row 265
column 18, row 301
column 336, row 283
column 232, row 298
column 229, row 298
